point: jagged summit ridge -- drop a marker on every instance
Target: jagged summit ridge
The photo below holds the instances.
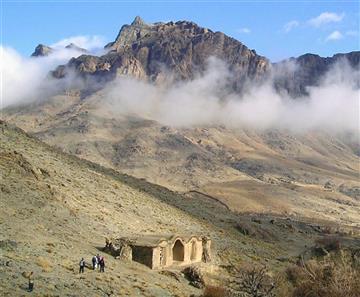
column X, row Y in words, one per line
column 139, row 29
column 129, row 33
column 138, row 21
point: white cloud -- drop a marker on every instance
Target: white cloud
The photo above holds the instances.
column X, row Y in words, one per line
column 325, row 18
column 25, row 79
column 291, row 25
column 86, row 42
column 336, row 35
column 20, row 76
column 206, row 100
column 244, row 30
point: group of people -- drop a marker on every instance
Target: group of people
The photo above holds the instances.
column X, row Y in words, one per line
column 97, row 261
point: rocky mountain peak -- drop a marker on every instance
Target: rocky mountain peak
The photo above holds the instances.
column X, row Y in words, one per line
column 129, row 33
column 138, row 21
column 42, row 50
column 73, row 46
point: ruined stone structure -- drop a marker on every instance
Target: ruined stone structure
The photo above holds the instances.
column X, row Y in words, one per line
column 158, row 252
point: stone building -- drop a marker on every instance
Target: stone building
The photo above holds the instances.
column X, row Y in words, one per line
column 156, row 251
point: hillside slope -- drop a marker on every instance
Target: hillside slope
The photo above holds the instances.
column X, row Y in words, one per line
column 56, row 208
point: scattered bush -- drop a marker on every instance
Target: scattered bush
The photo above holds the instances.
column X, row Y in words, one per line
column 329, row 243
column 67, row 264
column 253, row 281
column 194, row 275
column 215, row 291
column 44, row 263
column 334, row 276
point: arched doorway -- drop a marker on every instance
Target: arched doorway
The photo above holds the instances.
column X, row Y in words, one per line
column 178, row 251
column 193, row 251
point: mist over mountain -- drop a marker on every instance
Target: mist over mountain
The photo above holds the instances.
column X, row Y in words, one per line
column 183, row 74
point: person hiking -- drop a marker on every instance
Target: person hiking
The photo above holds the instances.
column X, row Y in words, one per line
column 102, row 264
column 31, row 285
column 82, row 265
column 98, row 260
column 31, row 282
column 94, row 262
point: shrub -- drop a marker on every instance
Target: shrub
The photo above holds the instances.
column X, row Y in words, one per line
column 194, row 275
column 253, row 281
column 44, row 263
column 334, row 276
column 329, row 243
column 67, row 264
column 214, row 291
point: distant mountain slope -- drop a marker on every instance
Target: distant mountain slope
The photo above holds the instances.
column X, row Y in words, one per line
column 309, row 69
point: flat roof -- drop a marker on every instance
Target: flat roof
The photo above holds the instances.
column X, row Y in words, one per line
column 153, row 240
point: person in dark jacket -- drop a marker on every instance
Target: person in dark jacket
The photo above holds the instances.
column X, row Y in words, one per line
column 82, row 265
column 102, row 264
column 31, row 282
column 31, row 285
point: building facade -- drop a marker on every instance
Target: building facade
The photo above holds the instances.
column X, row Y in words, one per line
column 159, row 252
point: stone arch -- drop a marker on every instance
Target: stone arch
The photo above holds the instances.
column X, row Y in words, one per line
column 178, row 251
column 193, row 251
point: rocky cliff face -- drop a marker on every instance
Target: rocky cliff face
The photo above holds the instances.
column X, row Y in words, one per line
column 153, row 51
column 308, row 70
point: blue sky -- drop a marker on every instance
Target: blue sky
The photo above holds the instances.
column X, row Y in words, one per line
column 275, row 29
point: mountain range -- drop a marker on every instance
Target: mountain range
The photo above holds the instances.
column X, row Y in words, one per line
column 182, row 49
